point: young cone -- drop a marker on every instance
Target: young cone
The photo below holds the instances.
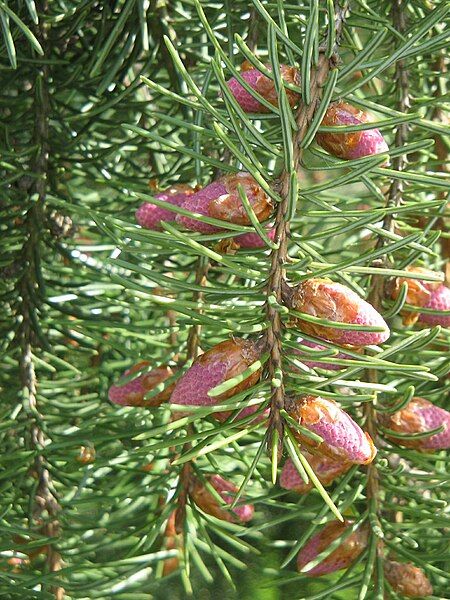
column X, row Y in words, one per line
column 335, row 302
column 222, row 362
column 132, row 392
column 342, row 557
column 321, row 363
column 208, row 504
column 407, row 580
column 220, row 200
column 150, row 216
column 264, row 86
column 343, row 439
column 424, row 294
column 350, row 145
column 419, row 416
column 324, row 467
column 246, row 241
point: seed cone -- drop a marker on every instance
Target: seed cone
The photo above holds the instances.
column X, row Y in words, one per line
column 222, row 362
column 425, row 294
column 342, row 557
column 246, row 241
column 150, row 216
column 220, row 200
column 408, row 580
column 324, row 467
column 343, row 439
column 418, row 416
column 334, row 302
column 132, row 392
column 227, row 490
column 321, row 363
column 350, row 145
column 264, row 86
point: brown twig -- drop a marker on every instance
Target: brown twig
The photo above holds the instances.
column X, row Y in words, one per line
column 45, row 505
column 378, row 290
column 304, row 116
column 441, row 147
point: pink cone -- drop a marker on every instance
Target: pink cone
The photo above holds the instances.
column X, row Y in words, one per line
column 407, row 580
column 253, row 240
column 440, row 301
column 419, row 416
column 424, row 294
column 222, row 362
column 132, row 392
column 150, row 216
column 264, row 86
column 220, row 200
column 324, row 467
column 227, row 490
column 335, row 302
column 321, row 363
column 350, row 145
column 341, row 558
column 343, row 439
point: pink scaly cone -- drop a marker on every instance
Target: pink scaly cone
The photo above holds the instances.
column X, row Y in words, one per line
column 222, row 362
column 132, row 393
column 324, row 467
column 419, row 416
column 424, row 294
column 342, row 557
column 350, row 145
column 308, row 359
column 227, row 490
column 337, row 303
column 220, row 200
column 150, row 216
column 407, row 580
column 343, row 439
column 264, row 86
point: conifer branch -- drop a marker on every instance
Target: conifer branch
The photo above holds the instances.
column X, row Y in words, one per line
column 440, row 145
column 377, row 291
column 45, row 506
column 304, row 116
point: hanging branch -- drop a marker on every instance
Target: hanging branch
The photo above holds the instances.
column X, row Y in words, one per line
column 45, row 506
column 441, row 147
column 377, row 290
column 304, row 116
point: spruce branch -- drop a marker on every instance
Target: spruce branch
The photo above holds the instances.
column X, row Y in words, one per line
column 442, row 150
column 378, row 291
column 278, row 257
column 45, row 503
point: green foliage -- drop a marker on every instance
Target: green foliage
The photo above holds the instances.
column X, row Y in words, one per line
column 96, row 100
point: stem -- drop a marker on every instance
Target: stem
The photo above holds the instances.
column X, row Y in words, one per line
column 276, row 281
column 45, row 505
column 378, row 290
column 441, row 147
